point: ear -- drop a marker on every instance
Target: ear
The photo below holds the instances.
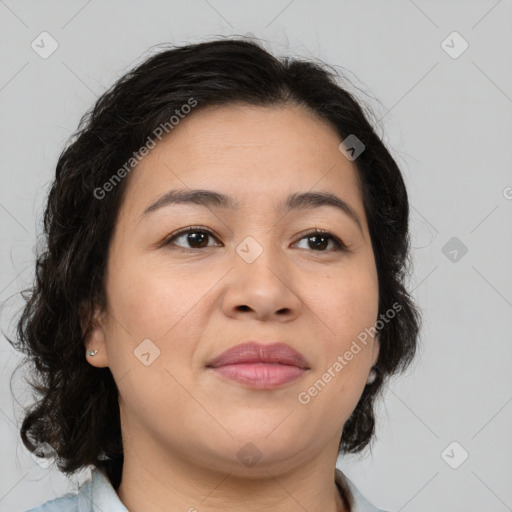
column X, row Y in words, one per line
column 375, row 349
column 94, row 331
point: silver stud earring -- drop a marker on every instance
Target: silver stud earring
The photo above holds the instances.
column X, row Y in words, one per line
column 92, row 352
column 371, row 377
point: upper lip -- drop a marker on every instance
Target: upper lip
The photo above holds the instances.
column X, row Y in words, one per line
column 254, row 352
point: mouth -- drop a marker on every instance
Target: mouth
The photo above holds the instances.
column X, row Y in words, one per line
column 260, row 366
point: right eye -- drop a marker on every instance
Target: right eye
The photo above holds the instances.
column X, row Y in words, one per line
column 193, row 235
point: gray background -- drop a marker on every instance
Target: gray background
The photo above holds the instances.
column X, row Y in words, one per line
column 448, row 123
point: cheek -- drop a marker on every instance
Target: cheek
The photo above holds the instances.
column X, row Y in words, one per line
column 347, row 310
column 154, row 302
column 168, row 308
column 347, row 307
column 346, row 303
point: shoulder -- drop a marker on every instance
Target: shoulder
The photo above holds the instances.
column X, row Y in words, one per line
column 358, row 502
column 95, row 494
column 67, row 503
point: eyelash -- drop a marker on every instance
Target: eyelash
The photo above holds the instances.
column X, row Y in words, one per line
column 339, row 245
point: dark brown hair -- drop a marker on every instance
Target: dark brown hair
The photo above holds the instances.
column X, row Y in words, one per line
column 76, row 407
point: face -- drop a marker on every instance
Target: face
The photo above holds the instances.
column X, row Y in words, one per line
column 257, row 271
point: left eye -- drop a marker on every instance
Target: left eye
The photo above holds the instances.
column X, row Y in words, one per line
column 318, row 240
column 199, row 237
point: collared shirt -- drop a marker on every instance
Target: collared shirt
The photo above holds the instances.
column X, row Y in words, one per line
column 97, row 495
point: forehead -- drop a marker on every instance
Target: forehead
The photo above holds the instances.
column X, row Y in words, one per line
column 254, row 154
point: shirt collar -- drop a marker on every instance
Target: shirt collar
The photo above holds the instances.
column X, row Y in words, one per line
column 357, row 502
column 102, row 496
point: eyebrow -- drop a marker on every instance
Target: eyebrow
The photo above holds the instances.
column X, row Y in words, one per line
column 294, row 202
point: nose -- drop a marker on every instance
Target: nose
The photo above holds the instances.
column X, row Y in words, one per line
column 262, row 289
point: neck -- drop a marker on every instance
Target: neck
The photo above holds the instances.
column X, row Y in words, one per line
column 153, row 483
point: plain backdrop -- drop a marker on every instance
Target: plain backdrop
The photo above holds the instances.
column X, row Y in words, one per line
column 443, row 104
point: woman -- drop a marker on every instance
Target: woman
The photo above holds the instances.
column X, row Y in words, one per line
column 222, row 298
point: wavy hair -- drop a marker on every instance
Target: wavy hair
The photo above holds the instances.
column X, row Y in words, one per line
column 75, row 408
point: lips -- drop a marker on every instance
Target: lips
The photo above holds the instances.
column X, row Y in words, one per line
column 259, row 366
column 253, row 352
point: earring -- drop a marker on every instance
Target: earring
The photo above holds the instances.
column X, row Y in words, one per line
column 372, row 376
column 92, row 352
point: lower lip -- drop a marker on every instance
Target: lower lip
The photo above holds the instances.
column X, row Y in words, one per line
column 261, row 375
